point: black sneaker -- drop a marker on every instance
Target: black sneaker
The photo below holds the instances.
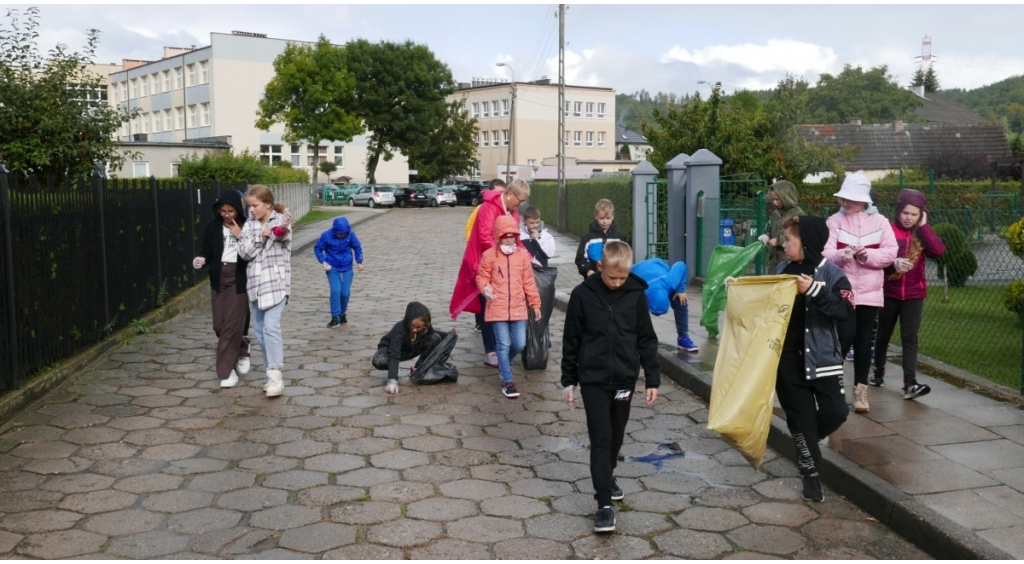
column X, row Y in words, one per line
column 878, row 379
column 509, row 390
column 604, row 521
column 335, row 321
column 915, row 390
column 812, row 489
column 344, row 319
column 617, row 494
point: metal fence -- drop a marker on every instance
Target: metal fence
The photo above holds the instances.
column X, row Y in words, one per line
column 81, row 259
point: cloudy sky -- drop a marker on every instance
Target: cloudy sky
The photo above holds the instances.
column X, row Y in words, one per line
column 654, row 47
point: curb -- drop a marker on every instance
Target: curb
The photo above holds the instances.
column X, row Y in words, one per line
column 12, row 402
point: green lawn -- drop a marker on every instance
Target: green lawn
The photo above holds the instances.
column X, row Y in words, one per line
column 317, row 215
column 972, row 331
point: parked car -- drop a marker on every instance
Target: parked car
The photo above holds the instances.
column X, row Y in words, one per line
column 374, row 195
column 468, row 192
column 436, row 195
column 320, row 188
column 409, row 197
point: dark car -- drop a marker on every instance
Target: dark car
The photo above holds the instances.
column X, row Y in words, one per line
column 409, row 197
column 468, row 192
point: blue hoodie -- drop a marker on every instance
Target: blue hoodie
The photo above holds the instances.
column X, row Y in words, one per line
column 662, row 282
column 336, row 245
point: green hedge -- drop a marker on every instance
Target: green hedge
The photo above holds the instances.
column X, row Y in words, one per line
column 949, row 194
column 581, row 196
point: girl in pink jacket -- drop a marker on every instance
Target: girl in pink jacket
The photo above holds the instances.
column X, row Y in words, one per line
column 863, row 245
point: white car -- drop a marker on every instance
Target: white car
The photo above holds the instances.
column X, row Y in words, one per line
column 373, row 195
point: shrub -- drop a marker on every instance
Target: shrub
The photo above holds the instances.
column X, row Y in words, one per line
column 959, row 262
column 228, row 168
column 1013, row 298
column 1015, row 238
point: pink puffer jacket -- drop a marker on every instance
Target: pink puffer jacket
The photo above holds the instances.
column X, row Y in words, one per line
column 871, row 231
column 511, row 277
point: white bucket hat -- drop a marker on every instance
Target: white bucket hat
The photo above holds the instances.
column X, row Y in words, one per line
column 856, row 188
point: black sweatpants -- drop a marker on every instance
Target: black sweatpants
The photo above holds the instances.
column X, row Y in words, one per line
column 814, row 408
column 421, row 348
column 909, row 313
column 606, row 425
column 858, row 331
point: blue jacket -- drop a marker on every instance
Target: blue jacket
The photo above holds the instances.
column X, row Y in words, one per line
column 662, row 282
column 336, row 245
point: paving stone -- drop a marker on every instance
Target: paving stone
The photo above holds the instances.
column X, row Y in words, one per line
column 500, row 473
column 366, row 512
column 78, row 483
column 538, row 488
column 785, row 489
column 516, row 507
column 148, row 545
column 28, row 500
column 317, row 538
column 45, row 450
column 483, row 528
column 429, row 443
column 489, row 444
column 563, row 471
column 641, row 523
column 77, row 420
column 98, row 501
column 268, row 464
column 453, row 549
column 575, row 504
column 275, row 436
column 658, row 502
column 726, row 497
column 404, row 532
column 119, row 468
column 366, row 477
column 190, row 466
column 399, row 459
column 547, row 444
column 435, row 474
column 532, row 549
column 463, row 458
column 136, row 423
column 222, row 481
column 767, row 538
column 192, row 423
column 673, row 483
column 330, row 495
column 9, row 540
column 277, row 554
column 559, row 527
column 170, row 452
column 303, row 448
column 735, row 476
column 710, row 519
column 526, row 458
column 207, row 437
column 364, row 551
column 334, row 463
column 252, row 499
column 472, row 489
column 295, row 480
column 842, row 532
column 401, row 492
column 39, row 433
column 213, row 541
column 112, row 451
column 612, row 547
column 153, row 437
column 693, row 544
column 71, row 465
column 285, row 517
column 425, row 419
column 125, row 522
column 441, row 509
column 60, row 544
column 177, row 501
column 784, row 514
column 203, row 520
column 367, row 446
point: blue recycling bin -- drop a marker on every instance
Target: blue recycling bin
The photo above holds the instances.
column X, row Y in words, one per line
column 726, row 235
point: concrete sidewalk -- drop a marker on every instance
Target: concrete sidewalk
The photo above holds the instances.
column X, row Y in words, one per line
column 945, row 470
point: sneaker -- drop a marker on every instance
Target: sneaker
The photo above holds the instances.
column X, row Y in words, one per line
column 849, row 355
column 860, row 398
column 604, row 521
column 477, row 328
column 915, row 390
column 391, row 387
column 509, row 390
column 230, row 381
column 812, row 489
column 491, row 359
column 617, row 494
column 878, row 379
column 686, row 344
column 823, row 442
column 242, row 365
column 344, row 319
column 335, row 321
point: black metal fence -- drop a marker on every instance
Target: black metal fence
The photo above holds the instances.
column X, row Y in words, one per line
column 81, row 259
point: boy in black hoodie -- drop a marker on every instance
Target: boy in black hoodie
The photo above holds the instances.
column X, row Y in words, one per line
column 809, row 381
column 608, row 335
column 413, row 336
column 602, row 231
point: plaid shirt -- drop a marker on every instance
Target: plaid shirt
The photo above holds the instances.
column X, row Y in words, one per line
column 270, row 266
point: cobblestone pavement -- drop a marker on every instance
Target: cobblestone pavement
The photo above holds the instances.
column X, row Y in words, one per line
column 144, row 456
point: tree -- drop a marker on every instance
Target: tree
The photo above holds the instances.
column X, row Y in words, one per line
column 451, row 150
column 327, row 167
column 54, row 117
column 929, row 79
column 873, row 96
column 400, row 95
column 312, row 94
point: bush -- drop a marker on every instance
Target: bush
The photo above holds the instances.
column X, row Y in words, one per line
column 1013, row 298
column 1015, row 238
column 581, row 196
column 228, row 168
column 959, row 262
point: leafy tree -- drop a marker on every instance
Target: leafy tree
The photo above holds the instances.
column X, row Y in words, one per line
column 450, row 151
column 327, row 167
column 1002, row 101
column 874, row 96
column 400, row 95
column 229, row 168
column 53, row 116
column 312, row 94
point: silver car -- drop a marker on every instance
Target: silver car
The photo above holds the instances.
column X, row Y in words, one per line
column 373, row 195
column 438, row 196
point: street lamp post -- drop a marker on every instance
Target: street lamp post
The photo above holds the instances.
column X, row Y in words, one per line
column 511, row 124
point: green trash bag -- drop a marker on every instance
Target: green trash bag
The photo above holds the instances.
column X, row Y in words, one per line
column 726, row 261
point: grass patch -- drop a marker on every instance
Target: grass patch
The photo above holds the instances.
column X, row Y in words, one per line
column 317, row 215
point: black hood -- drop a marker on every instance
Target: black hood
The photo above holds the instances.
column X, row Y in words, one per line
column 414, row 310
column 234, row 199
column 813, row 236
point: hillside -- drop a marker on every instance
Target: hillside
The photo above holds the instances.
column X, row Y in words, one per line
column 1002, row 102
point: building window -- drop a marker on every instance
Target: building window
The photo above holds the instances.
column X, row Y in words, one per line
column 600, row 139
column 124, row 90
column 577, row 109
column 321, row 155
column 476, row 109
column 487, row 109
column 206, row 113
column 296, row 159
column 270, row 154
column 135, row 88
column 476, row 169
column 156, row 82
column 504, row 107
column 577, row 138
column 495, row 105
column 177, row 78
column 339, row 156
column 156, row 121
column 567, row 109
column 504, row 137
column 204, row 68
column 167, row 120
column 600, row 110
column 192, row 75
column 174, row 169
column 193, row 116
column 167, row 81
column 117, row 93
column 567, row 134
column 145, row 123
column 531, row 162
column 590, row 139
column 145, row 85
column 487, row 137
column 494, row 135
column 179, row 117
column 590, row 109
column 140, row 170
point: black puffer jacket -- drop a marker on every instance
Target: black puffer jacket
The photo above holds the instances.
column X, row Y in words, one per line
column 213, row 241
column 399, row 341
column 608, row 335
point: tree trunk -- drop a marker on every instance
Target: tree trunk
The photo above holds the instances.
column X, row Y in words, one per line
column 371, row 164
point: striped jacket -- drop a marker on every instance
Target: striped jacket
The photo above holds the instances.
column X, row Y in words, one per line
column 871, row 231
column 269, row 274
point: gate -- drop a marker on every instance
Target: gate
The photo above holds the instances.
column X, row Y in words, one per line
column 743, row 201
column 656, row 218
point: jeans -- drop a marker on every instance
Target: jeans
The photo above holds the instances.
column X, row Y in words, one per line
column 510, row 340
column 267, row 323
column 682, row 315
column 341, row 290
column 606, row 426
column 486, row 328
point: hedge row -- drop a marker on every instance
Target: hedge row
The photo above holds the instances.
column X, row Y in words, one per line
column 947, row 194
column 581, row 195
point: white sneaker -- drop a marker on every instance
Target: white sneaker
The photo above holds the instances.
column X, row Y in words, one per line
column 276, row 385
column 230, row 381
column 391, row 387
column 242, row 365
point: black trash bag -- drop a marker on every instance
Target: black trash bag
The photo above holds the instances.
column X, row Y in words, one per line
column 435, row 367
column 535, row 354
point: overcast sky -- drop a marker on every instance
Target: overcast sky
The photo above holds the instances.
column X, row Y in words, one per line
column 654, row 47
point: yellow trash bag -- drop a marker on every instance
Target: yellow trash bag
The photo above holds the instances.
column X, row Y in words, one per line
column 743, row 386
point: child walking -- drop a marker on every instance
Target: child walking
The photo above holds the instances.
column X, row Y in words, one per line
column 505, row 278
column 535, row 236
column 666, row 287
column 905, row 288
column 809, row 380
column 413, row 336
column 782, row 200
column 334, row 250
column 266, row 242
column 602, row 231
column 228, row 285
column 608, row 336
column 862, row 244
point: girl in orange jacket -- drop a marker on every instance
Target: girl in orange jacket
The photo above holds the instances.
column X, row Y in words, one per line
column 505, row 278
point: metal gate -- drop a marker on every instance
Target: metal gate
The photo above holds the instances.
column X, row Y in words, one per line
column 743, row 202
column 656, row 218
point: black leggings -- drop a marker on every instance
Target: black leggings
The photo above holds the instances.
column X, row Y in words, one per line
column 421, row 348
column 814, row 408
column 606, row 425
column 857, row 331
column 909, row 313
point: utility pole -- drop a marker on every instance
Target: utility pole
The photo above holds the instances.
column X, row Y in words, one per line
column 511, row 125
column 563, row 207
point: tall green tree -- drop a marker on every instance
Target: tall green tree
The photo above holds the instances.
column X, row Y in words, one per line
column 54, row 116
column 929, row 79
column 312, row 94
column 874, row 96
column 450, row 151
column 400, row 95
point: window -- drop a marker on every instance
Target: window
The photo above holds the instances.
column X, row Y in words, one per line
column 270, row 154
column 156, row 83
column 177, row 78
column 117, row 92
column 476, row 169
column 504, row 137
column 138, row 124
column 140, row 170
column 494, row 135
column 600, row 139
column 145, row 123
column 495, row 105
column 193, row 116
column 321, row 155
column 206, row 113
column 567, row 109
column 339, row 156
column 174, row 169
column 179, row 117
column 590, row 109
column 167, row 120
column 476, row 109
column 487, row 109
column 192, row 75
column 167, row 81
column 577, row 109
column 157, row 119
column 600, row 110
column 577, row 138
column 504, row 107
column 590, row 139
column 531, row 162
column 145, row 85
column 487, row 137
column 135, row 88
column 124, row 90
column 567, row 138
column 204, row 69
column 296, row 159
